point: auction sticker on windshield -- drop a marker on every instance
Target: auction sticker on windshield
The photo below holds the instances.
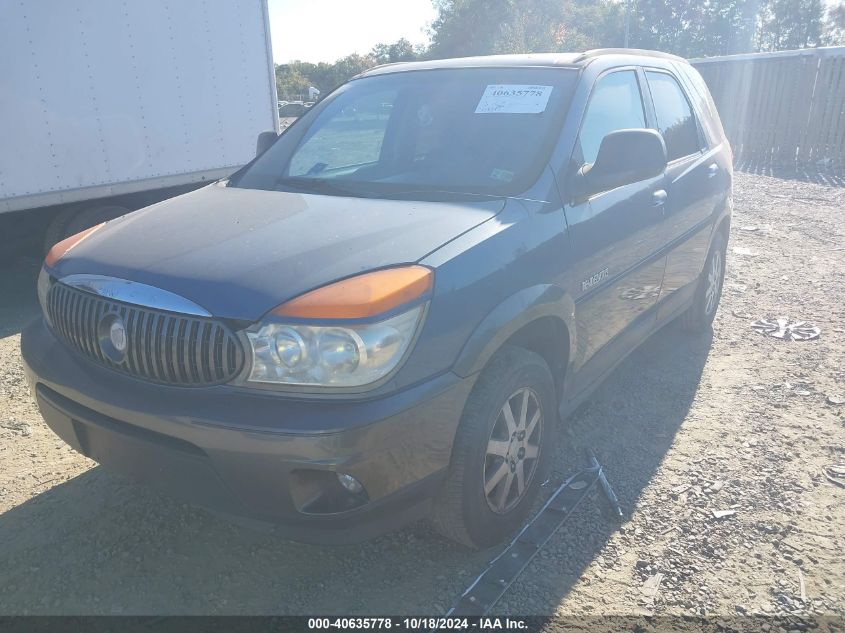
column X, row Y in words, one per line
column 513, row 99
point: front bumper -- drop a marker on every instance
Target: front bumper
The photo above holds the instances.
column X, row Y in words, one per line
column 257, row 455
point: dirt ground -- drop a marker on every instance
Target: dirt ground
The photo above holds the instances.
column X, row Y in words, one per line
column 686, row 426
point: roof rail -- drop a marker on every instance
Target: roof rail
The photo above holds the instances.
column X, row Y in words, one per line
column 597, row 52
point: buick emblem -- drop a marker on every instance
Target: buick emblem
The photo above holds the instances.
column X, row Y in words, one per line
column 117, row 334
column 113, row 340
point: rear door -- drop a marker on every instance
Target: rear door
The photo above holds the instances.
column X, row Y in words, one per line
column 692, row 178
column 614, row 234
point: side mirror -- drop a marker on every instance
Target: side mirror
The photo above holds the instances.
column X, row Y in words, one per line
column 265, row 140
column 624, row 156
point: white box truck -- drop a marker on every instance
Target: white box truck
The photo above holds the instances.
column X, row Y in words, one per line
column 106, row 107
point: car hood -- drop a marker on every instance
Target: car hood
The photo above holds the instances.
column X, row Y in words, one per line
column 238, row 253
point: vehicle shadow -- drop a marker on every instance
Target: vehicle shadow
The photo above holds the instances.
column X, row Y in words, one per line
column 630, row 423
column 18, row 298
column 99, row 544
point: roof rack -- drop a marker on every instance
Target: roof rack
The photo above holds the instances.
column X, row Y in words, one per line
column 597, row 52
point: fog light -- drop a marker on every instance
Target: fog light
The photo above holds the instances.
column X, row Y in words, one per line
column 350, row 483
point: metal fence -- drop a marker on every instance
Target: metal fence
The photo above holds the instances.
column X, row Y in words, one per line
column 784, row 109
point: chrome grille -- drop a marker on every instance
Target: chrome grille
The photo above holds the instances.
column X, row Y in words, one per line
column 161, row 346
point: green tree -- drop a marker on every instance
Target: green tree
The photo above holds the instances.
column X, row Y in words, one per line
column 692, row 28
column 290, row 82
column 484, row 27
column 789, row 24
column 400, row 51
column 294, row 79
column 834, row 26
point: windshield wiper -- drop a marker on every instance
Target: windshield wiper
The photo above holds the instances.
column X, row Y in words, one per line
column 330, row 186
column 315, row 185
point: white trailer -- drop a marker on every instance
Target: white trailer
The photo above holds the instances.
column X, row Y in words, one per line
column 113, row 105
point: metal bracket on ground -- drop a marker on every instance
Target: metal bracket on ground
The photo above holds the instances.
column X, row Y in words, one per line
column 502, row 571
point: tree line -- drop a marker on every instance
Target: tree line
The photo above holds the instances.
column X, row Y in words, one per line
column 690, row 28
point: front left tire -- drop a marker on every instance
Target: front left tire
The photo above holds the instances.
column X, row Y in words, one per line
column 502, row 450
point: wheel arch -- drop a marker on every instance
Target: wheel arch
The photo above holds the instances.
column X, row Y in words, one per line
column 538, row 318
column 722, row 223
column 724, row 227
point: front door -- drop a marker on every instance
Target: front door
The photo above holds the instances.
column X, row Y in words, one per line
column 614, row 235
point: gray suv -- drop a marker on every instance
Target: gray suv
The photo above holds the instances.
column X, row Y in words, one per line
column 385, row 315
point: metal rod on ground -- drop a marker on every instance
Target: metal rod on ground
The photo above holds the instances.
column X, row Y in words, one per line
column 480, row 597
column 501, row 572
column 605, row 485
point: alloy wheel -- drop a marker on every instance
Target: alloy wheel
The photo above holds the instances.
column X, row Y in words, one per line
column 714, row 282
column 513, row 450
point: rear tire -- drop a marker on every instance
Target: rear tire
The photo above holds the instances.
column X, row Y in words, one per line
column 491, row 450
column 699, row 316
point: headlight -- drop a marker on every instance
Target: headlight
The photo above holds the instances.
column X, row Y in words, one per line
column 43, row 289
column 335, row 355
column 333, row 337
column 58, row 251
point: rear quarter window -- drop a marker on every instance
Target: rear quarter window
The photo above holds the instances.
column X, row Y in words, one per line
column 675, row 118
column 700, row 93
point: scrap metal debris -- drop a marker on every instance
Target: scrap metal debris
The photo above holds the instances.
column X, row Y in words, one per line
column 721, row 514
column 782, row 328
column 14, row 425
column 752, row 228
column 605, row 485
column 716, row 486
column 504, row 569
column 835, row 473
column 650, row 588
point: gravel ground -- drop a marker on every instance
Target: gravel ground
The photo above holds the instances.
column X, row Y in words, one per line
column 686, row 426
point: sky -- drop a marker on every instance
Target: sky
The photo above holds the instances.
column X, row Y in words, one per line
column 326, row 30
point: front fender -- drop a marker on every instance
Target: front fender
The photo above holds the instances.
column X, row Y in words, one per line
column 518, row 310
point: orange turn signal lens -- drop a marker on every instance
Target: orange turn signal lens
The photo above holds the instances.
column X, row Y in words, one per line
column 362, row 296
column 61, row 248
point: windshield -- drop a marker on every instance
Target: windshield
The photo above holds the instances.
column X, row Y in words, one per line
column 471, row 130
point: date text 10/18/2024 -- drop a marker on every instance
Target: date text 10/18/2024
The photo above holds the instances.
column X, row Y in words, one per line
column 421, row 623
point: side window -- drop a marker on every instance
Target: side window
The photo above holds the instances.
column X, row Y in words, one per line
column 675, row 119
column 708, row 107
column 615, row 104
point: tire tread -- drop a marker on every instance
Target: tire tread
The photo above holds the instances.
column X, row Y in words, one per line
column 448, row 516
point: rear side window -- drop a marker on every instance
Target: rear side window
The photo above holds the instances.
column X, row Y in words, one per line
column 702, row 92
column 675, row 119
column 615, row 104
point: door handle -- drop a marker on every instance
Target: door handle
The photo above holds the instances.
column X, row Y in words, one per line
column 712, row 170
column 658, row 198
